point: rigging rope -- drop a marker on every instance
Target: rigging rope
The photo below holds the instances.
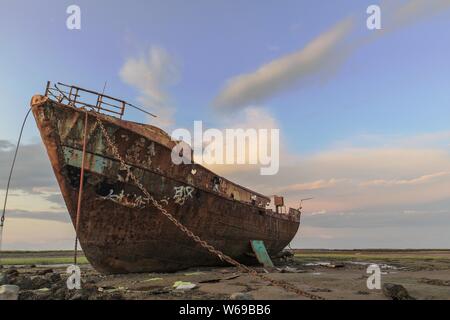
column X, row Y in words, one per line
column 80, row 191
column 2, row 219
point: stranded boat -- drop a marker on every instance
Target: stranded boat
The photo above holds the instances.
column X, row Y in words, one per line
column 119, row 229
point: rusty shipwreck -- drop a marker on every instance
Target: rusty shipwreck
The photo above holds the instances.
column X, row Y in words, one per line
column 119, row 229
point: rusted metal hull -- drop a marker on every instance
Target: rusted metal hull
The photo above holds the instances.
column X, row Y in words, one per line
column 119, row 230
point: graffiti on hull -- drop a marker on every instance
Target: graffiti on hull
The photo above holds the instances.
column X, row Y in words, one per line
column 183, row 193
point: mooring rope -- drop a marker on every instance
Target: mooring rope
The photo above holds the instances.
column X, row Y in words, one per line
column 80, row 190
column 2, row 219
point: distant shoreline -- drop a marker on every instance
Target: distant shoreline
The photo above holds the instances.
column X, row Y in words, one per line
column 293, row 249
column 55, row 257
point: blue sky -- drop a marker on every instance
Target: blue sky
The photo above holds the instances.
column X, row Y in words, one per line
column 384, row 87
column 392, row 90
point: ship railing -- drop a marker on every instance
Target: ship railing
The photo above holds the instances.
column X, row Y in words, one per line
column 79, row 97
column 294, row 213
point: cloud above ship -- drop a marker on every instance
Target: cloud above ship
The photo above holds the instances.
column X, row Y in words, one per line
column 320, row 58
column 151, row 74
column 414, row 181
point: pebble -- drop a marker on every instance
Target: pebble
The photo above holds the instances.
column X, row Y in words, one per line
column 241, row 296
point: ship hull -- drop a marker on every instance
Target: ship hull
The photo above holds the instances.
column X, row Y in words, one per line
column 120, row 231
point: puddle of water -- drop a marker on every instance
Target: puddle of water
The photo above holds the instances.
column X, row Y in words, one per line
column 315, row 264
column 382, row 266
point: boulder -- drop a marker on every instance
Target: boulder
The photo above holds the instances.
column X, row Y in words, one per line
column 396, row 292
column 9, row 292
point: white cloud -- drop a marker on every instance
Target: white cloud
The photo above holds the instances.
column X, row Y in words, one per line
column 151, row 74
column 314, row 185
column 315, row 213
column 321, row 57
column 414, row 181
column 254, row 117
column 318, row 56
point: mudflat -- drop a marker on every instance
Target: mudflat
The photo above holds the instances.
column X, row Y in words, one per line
column 332, row 274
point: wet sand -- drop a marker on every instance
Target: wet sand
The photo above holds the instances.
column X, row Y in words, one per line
column 425, row 274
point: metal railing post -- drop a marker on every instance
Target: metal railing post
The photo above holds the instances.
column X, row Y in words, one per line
column 47, row 88
column 116, row 107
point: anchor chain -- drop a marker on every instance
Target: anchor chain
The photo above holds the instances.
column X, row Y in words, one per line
column 285, row 285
